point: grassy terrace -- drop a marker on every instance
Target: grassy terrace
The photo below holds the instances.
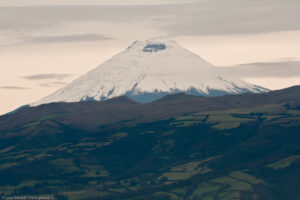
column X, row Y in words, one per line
column 210, row 156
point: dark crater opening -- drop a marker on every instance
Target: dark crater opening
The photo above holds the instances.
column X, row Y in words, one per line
column 154, row 47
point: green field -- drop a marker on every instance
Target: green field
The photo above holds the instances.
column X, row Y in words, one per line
column 225, row 155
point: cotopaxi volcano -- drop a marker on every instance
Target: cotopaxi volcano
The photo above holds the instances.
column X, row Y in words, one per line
column 149, row 70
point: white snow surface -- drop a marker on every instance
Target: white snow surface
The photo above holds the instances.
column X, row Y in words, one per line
column 152, row 66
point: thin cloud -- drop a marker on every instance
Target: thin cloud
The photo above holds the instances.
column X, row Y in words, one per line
column 48, row 76
column 66, row 38
column 53, row 84
column 13, row 88
column 267, row 69
column 28, row 3
column 205, row 17
column 59, row 83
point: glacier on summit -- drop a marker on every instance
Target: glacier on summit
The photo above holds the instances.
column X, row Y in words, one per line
column 149, row 70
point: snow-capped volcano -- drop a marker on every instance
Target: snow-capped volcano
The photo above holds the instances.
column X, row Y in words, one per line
column 148, row 70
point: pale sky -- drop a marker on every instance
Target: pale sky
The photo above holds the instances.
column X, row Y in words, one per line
column 45, row 44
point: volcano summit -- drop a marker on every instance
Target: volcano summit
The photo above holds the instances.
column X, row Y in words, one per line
column 149, row 70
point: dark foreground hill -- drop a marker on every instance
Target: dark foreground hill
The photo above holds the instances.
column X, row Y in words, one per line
column 180, row 147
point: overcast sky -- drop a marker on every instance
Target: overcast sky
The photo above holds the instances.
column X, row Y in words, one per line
column 45, row 44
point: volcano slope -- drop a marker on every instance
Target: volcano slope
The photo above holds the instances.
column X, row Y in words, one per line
column 149, row 70
column 180, row 147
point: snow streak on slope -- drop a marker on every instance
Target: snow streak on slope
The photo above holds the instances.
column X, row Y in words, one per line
column 148, row 70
